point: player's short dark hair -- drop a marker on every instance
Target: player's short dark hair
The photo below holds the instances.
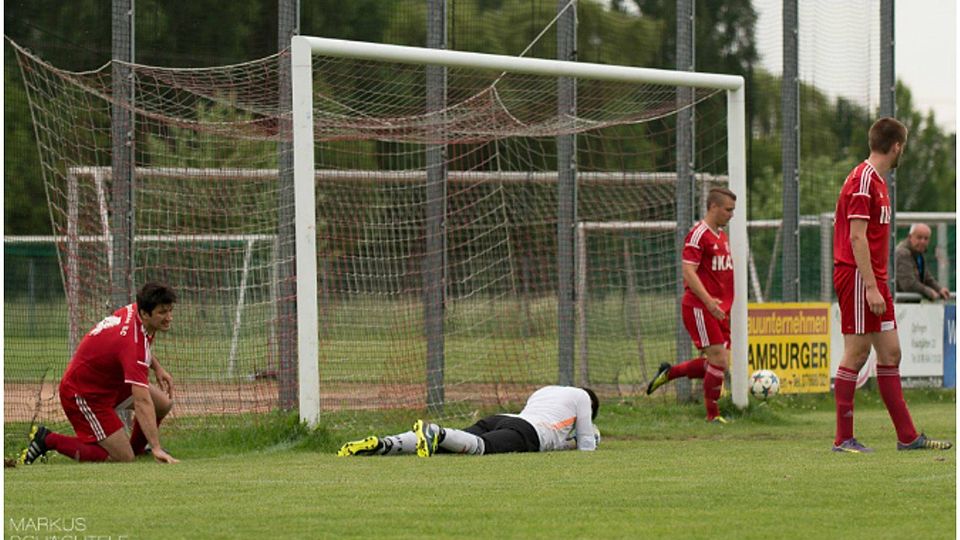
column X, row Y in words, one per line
column 885, row 132
column 718, row 195
column 594, row 402
column 155, row 294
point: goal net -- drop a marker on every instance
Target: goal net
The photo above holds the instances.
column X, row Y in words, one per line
column 429, row 256
column 437, row 181
column 205, row 202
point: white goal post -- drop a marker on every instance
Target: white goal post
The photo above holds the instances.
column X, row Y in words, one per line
column 304, row 48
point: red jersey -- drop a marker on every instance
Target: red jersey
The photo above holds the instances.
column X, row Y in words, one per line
column 863, row 196
column 710, row 252
column 111, row 357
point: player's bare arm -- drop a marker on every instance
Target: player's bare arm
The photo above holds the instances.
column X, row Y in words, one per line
column 147, row 418
column 861, row 253
column 159, row 320
column 693, row 281
column 164, row 379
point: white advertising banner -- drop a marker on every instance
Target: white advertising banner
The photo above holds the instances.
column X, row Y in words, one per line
column 921, row 341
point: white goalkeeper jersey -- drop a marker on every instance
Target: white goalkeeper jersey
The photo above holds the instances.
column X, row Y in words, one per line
column 556, row 411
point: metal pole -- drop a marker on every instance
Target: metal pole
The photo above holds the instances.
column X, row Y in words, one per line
column 288, row 12
column 305, row 219
column 685, row 174
column 32, row 295
column 566, row 194
column 342, row 48
column 737, row 169
column 122, row 159
column 73, row 261
column 434, row 271
column 943, row 258
column 826, row 257
column 790, row 105
column 888, row 107
column 583, row 343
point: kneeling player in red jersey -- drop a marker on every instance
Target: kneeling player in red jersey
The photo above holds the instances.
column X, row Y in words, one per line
column 108, row 373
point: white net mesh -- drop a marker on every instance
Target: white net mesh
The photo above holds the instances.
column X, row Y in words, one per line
column 206, row 218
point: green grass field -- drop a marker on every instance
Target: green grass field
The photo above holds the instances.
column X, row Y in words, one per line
column 660, row 472
column 370, row 341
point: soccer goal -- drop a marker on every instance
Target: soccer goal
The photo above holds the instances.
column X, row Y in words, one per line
column 435, row 217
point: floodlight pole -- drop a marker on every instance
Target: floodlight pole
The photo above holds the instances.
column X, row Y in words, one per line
column 285, row 274
column 684, row 188
column 888, row 107
column 566, row 197
column 434, row 264
column 122, row 157
column 790, row 148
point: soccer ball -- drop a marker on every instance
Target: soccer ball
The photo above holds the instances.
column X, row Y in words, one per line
column 571, row 441
column 764, row 384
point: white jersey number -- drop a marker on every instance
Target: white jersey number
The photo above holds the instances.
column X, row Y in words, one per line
column 109, row 322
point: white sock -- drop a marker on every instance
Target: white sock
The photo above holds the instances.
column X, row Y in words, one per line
column 461, row 442
column 403, row 443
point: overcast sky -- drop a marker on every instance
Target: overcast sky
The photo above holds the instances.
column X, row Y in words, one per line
column 926, row 59
column 840, row 58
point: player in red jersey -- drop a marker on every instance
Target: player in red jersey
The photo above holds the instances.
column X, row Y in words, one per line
column 109, row 372
column 708, row 275
column 861, row 248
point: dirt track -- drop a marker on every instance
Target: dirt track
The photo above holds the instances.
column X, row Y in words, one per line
column 23, row 400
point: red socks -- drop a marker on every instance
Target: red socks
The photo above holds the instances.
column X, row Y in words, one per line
column 843, row 390
column 695, row 368
column 74, row 449
column 699, row 368
column 888, row 379
column 712, row 385
column 137, row 440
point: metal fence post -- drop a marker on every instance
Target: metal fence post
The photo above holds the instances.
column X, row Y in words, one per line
column 943, row 257
column 684, row 189
column 288, row 15
column 122, row 158
column 566, row 194
column 790, row 110
column 434, row 271
column 826, row 257
column 888, row 107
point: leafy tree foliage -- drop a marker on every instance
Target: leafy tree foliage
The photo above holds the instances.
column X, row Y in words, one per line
column 76, row 36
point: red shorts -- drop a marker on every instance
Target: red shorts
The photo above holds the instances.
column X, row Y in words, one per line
column 855, row 314
column 93, row 421
column 704, row 328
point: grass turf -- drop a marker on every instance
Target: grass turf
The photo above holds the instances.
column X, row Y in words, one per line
column 660, row 471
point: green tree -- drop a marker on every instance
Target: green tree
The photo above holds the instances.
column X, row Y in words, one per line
column 927, row 175
column 724, row 33
column 76, row 35
column 25, row 203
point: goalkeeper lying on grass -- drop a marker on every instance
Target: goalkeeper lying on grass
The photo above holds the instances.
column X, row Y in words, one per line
column 551, row 420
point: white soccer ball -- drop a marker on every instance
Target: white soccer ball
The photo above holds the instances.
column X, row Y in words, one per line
column 764, row 384
column 572, row 438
